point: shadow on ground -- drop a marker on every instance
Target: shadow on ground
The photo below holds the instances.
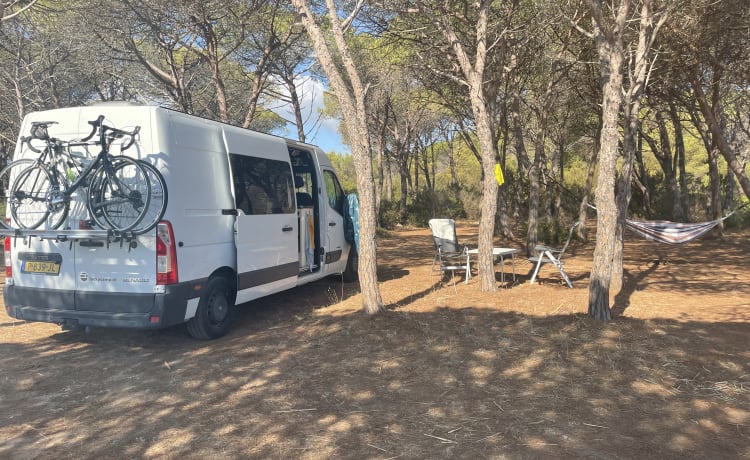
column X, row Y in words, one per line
column 458, row 382
column 305, row 374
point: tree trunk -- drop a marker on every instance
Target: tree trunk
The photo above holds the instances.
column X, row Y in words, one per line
column 526, row 168
column 352, row 102
column 714, row 183
column 532, row 236
column 679, row 151
column 473, row 68
column 663, row 153
column 259, row 78
column 388, row 182
column 379, row 159
column 718, row 134
column 488, row 146
column 632, row 123
column 404, row 173
column 642, row 178
column 296, row 106
column 611, row 52
column 713, row 168
column 583, row 209
column 632, row 108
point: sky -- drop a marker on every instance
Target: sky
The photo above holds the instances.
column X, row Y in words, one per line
column 322, row 132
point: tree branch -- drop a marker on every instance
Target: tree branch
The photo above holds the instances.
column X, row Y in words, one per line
column 13, row 15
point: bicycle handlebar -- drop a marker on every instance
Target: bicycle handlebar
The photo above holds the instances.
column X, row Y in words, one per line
column 107, row 134
column 27, row 140
column 94, row 127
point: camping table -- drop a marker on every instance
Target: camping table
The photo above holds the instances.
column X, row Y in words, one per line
column 501, row 253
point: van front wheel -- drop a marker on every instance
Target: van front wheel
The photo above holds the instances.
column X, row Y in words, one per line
column 215, row 311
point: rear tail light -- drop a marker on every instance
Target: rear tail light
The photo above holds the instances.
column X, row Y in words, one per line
column 8, row 267
column 166, row 254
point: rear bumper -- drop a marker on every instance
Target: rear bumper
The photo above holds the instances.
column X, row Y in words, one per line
column 100, row 309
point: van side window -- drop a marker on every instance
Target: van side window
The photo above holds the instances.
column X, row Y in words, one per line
column 262, row 186
column 334, row 191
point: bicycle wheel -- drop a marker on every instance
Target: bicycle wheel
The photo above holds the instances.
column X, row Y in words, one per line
column 7, row 177
column 119, row 199
column 158, row 203
column 30, row 195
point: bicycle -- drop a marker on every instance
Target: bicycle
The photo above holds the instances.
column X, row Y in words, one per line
column 158, row 202
column 118, row 188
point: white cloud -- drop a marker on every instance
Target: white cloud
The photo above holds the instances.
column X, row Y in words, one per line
column 319, row 130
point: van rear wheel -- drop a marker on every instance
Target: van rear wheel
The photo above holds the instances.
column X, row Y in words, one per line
column 215, row 311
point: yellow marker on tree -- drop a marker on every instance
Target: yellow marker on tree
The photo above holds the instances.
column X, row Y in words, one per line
column 499, row 174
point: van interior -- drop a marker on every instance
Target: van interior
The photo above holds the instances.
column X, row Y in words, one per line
column 307, row 187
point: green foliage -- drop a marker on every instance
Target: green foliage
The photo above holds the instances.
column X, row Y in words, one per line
column 48, row 56
column 553, row 233
column 266, row 121
column 741, row 218
column 428, row 205
column 389, row 216
column 470, row 200
column 440, row 203
column 343, row 163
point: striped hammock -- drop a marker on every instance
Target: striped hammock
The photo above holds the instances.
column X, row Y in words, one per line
column 668, row 232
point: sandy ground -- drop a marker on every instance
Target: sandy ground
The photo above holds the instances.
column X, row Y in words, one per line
column 446, row 372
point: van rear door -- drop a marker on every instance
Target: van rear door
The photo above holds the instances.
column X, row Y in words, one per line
column 105, row 271
column 74, row 271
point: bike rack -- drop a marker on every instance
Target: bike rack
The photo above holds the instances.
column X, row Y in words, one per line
column 107, row 236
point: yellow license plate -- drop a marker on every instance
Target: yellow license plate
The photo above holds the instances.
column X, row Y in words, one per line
column 47, row 268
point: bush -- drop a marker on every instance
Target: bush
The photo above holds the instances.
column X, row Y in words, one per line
column 388, row 217
column 741, row 218
column 553, row 233
column 471, row 202
column 428, row 205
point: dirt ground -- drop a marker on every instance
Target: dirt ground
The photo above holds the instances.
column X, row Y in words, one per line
column 446, row 372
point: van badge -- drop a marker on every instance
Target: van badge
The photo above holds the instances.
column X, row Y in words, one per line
column 84, row 276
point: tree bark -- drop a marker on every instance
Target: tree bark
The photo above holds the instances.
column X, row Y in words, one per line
column 351, row 98
column 679, row 151
column 609, row 44
column 718, row 134
column 473, row 68
column 632, row 108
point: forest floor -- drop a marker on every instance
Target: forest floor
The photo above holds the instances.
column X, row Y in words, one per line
column 446, row 372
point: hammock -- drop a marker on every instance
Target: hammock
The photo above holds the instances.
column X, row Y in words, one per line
column 668, row 232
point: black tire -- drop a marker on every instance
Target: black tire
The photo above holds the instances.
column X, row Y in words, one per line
column 119, row 202
column 29, row 199
column 215, row 311
column 351, row 273
column 158, row 202
column 7, row 177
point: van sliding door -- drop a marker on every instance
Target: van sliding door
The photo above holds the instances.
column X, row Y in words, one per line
column 266, row 236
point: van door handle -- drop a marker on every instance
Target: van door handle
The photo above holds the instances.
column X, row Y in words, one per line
column 287, row 228
column 331, row 224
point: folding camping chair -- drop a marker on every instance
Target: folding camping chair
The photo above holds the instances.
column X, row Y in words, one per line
column 546, row 254
column 450, row 256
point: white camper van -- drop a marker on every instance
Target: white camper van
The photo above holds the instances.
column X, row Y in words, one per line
column 247, row 215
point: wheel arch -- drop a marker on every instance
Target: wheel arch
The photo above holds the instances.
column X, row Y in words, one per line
column 230, row 275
